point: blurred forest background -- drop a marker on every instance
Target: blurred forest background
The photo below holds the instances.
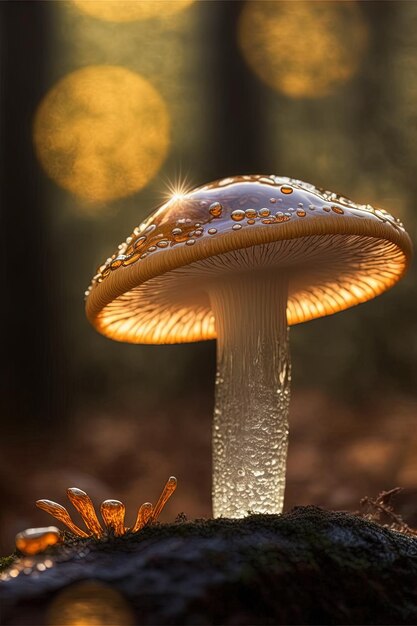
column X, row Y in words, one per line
column 104, row 107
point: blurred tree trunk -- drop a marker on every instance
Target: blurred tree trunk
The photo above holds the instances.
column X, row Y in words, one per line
column 31, row 387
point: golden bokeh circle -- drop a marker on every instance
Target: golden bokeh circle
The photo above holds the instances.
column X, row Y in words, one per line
column 302, row 49
column 89, row 603
column 102, row 132
column 130, row 10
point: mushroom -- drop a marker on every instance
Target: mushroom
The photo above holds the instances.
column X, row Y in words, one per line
column 241, row 260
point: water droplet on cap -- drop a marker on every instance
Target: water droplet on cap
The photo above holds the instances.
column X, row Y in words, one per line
column 286, row 189
column 216, row 209
column 139, row 242
column 212, row 231
column 264, row 212
column 238, row 215
column 190, row 242
column 251, row 213
column 176, row 231
column 237, row 226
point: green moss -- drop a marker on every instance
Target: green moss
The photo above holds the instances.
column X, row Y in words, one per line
column 6, row 561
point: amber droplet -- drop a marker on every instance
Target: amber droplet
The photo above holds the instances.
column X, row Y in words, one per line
column 143, row 517
column 251, row 222
column 113, row 514
column 82, row 502
column 238, row 215
column 301, row 213
column 131, row 259
column 212, row 231
column 268, row 220
column 139, row 242
column 215, row 209
column 326, row 208
column 114, row 265
column 286, row 189
column 35, row 540
column 60, row 513
column 167, row 492
column 251, row 214
column 337, row 210
column 264, row 212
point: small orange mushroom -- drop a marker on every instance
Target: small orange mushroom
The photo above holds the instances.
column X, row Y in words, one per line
column 112, row 512
column 34, row 540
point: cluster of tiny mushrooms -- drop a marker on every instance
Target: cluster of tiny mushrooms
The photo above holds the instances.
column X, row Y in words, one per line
column 34, row 540
column 241, row 260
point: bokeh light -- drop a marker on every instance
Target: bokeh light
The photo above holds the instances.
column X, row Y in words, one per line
column 89, row 604
column 130, row 10
column 102, row 132
column 302, row 49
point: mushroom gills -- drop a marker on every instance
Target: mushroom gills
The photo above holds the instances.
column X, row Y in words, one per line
column 250, row 431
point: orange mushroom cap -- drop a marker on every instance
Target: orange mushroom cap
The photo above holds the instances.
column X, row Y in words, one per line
column 336, row 254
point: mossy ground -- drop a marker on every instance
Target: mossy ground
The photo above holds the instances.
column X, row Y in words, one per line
column 308, row 566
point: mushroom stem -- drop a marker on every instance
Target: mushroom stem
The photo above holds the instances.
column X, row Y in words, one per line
column 250, row 434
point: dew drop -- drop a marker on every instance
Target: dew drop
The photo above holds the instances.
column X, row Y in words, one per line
column 237, row 227
column 116, row 263
column 272, row 200
column 176, row 231
column 337, row 210
column 152, row 249
column 212, row 231
column 198, row 225
column 163, row 243
column 287, row 214
column 237, row 215
column 279, row 213
column 150, row 228
column 251, row 213
column 311, row 207
column 286, row 189
column 251, row 222
column 198, row 232
column 264, row 212
column 326, row 208
column 144, row 255
column 131, row 259
column 190, row 242
column 139, row 242
column 215, row 209
column 301, row 213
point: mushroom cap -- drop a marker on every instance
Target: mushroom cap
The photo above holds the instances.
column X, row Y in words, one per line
column 336, row 254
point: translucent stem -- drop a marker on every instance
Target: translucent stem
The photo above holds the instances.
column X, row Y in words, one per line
column 250, row 435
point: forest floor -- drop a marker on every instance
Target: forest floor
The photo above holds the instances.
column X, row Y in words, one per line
column 308, row 566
